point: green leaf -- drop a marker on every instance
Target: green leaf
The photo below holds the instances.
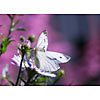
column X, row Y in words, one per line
column 2, row 38
column 13, row 25
column 16, row 22
column 60, row 74
column 20, row 29
column 4, row 44
column 10, row 41
column 10, row 82
column 43, row 80
column 30, row 73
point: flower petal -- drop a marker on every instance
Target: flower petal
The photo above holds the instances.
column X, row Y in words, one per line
column 44, row 73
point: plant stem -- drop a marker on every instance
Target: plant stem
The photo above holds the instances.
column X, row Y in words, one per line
column 9, row 16
column 55, row 81
column 12, row 19
column 19, row 70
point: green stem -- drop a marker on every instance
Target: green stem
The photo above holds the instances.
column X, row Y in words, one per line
column 19, row 70
column 23, row 80
column 12, row 19
column 55, row 81
column 30, row 77
column 9, row 16
column 28, row 81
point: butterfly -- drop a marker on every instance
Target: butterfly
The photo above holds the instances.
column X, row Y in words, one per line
column 47, row 61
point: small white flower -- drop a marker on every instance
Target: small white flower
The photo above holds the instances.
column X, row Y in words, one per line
column 44, row 73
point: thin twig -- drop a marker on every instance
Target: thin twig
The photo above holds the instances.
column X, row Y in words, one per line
column 9, row 16
column 19, row 70
column 55, row 81
column 23, row 80
column 12, row 19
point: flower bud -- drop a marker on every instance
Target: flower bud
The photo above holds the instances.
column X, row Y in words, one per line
column 22, row 38
column 31, row 38
column 45, row 31
column 25, row 46
column 27, row 42
column 61, row 72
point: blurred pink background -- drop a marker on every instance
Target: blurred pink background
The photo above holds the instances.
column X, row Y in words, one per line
column 75, row 35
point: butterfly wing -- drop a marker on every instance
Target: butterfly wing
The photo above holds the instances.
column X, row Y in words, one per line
column 49, row 61
column 42, row 41
column 44, row 63
column 57, row 57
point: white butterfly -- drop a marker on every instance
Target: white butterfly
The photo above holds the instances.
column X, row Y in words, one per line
column 47, row 61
